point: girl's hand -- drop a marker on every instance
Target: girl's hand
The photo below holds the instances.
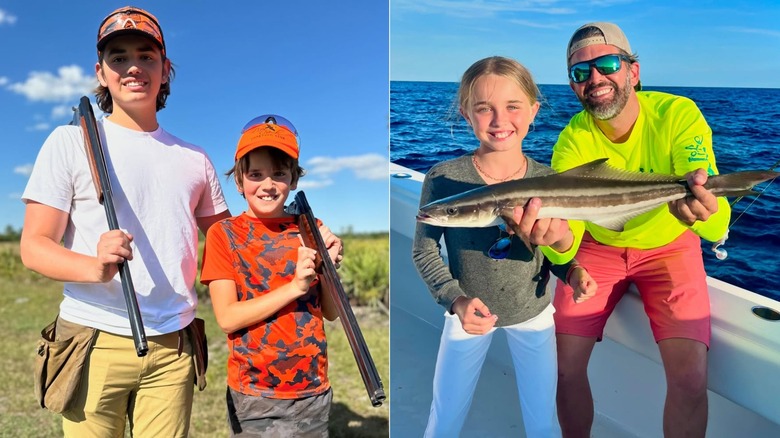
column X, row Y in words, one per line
column 304, row 270
column 472, row 323
column 543, row 232
column 582, row 283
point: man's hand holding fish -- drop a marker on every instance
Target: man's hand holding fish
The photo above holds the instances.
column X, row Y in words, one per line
column 700, row 206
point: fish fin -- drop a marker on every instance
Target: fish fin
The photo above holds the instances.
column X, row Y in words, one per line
column 510, row 222
column 614, row 223
column 617, row 223
column 528, row 245
column 740, row 193
column 601, row 170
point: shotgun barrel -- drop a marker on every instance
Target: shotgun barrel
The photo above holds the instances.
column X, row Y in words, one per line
column 85, row 117
column 331, row 284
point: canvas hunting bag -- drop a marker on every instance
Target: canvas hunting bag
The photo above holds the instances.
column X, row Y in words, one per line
column 200, row 351
column 59, row 362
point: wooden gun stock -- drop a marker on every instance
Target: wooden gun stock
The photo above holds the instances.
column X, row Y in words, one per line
column 85, row 117
column 331, row 284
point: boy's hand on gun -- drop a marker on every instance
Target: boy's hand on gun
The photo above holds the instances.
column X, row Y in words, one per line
column 334, row 245
column 112, row 248
column 304, row 270
column 473, row 323
column 582, row 283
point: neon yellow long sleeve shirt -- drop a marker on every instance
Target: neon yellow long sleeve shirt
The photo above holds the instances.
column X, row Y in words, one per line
column 670, row 137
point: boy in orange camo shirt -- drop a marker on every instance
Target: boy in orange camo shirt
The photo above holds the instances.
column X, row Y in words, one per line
column 265, row 295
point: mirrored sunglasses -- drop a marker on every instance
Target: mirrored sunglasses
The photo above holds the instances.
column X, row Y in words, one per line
column 500, row 248
column 605, row 65
column 272, row 119
column 131, row 19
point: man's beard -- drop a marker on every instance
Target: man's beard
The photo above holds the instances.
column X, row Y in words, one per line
column 607, row 109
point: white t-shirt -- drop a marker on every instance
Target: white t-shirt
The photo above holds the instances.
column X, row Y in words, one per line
column 159, row 185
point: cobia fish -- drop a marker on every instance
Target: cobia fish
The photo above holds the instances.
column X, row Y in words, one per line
column 593, row 192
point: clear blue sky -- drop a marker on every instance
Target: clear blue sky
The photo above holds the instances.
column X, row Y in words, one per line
column 703, row 43
column 322, row 65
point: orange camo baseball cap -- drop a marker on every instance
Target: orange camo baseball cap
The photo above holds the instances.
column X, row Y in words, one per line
column 267, row 134
column 129, row 20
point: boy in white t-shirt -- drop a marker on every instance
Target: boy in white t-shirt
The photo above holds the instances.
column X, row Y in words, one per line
column 164, row 190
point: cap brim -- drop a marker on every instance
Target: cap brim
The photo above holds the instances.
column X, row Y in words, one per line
column 286, row 149
column 122, row 32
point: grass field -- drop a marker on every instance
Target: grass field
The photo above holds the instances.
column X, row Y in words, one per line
column 29, row 302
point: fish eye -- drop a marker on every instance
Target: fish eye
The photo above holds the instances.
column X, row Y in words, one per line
column 452, row 210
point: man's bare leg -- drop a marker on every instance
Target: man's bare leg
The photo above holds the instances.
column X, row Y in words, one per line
column 685, row 411
column 574, row 399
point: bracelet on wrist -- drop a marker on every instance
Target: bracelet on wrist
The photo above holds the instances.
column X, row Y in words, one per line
column 573, row 266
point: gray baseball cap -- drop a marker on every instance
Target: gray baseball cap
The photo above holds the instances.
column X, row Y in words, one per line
column 610, row 34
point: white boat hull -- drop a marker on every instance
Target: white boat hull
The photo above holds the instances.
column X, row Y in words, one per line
column 625, row 371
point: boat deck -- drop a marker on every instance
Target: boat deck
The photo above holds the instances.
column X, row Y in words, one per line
column 628, row 387
column 625, row 370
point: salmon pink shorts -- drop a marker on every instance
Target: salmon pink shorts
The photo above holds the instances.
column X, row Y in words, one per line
column 671, row 281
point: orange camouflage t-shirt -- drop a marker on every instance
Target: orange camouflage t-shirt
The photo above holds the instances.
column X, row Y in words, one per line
column 285, row 355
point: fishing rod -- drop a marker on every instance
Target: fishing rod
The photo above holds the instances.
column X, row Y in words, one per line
column 721, row 253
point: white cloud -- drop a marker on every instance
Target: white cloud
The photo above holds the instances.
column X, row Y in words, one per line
column 755, row 31
column 16, row 196
column 483, row 8
column 535, row 24
column 305, row 183
column 69, row 83
column 3, row 80
column 60, row 111
column 40, row 126
column 24, row 169
column 6, row 18
column 368, row 166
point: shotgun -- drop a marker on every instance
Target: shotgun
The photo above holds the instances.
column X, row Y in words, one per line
column 84, row 116
column 331, row 284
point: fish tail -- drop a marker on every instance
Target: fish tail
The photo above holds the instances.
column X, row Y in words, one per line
column 738, row 183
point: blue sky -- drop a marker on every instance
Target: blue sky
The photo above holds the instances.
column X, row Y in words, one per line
column 703, row 43
column 322, row 65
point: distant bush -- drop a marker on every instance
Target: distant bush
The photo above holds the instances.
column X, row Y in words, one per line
column 10, row 234
column 365, row 270
column 11, row 266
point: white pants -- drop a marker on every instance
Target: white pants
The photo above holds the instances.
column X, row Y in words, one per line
column 460, row 359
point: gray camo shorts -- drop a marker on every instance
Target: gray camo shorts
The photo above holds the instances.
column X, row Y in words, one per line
column 253, row 416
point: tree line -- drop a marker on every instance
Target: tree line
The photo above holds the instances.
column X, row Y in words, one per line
column 11, row 234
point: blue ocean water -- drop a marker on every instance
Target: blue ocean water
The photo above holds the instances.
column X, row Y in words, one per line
column 425, row 128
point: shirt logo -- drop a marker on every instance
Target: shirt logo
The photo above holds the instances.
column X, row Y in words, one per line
column 697, row 151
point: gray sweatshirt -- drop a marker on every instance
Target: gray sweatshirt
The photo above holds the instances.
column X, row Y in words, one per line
column 511, row 288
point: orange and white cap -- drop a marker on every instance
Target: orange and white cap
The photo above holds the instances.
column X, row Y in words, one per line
column 128, row 20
